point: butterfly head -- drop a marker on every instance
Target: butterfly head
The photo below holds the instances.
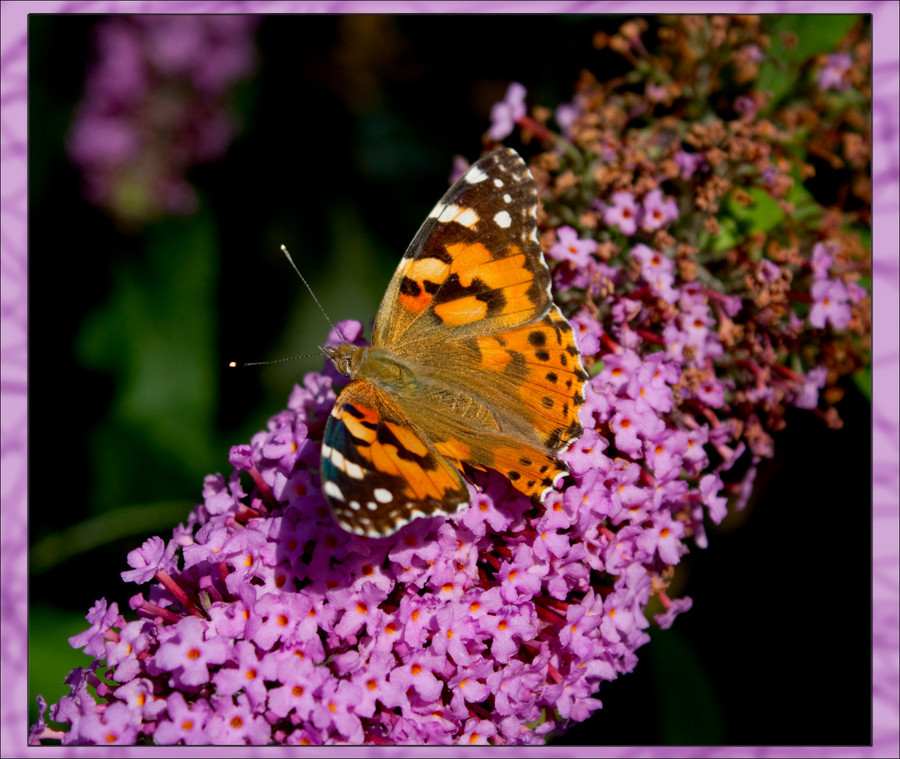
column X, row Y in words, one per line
column 346, row 357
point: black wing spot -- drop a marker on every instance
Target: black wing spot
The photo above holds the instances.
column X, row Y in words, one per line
column 410, row 287
column 551, row 377
column 441, row 255
column 563, row 360
column 452, row 289
column 555, row 438
column 547, row 401
column 355, row 412
column 524, row 461
column 542, row 356
column 537, row 338
column 513, row 475
column 386, row 437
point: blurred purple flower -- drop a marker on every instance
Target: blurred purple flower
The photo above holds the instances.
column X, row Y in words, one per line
column 657, row 211
column 832, row 76
column 688, row 163
column 569, row 247
column 623, row 213
column 830, row 303
column 154, row 106
column 505, row 113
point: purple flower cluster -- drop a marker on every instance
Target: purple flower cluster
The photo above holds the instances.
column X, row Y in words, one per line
column 154, row 106
column 268, row 623
column 625, row 214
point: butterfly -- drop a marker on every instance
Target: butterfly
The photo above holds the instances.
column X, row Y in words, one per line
column 471, row 364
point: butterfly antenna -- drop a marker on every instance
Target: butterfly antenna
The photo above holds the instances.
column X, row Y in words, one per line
column 303, row 279
column 242, row 364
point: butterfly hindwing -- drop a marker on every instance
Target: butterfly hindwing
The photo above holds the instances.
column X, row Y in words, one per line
column 526, row 390
column 377, row 472
column 538, row 370
column 475, row 266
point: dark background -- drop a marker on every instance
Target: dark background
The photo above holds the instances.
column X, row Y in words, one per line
column 350, row 128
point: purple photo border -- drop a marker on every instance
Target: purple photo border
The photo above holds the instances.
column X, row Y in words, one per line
column 14, row 346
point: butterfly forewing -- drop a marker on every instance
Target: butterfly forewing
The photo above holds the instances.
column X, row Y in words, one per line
column 475, row 266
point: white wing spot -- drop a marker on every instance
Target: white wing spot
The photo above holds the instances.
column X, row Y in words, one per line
column 349, row 468
column 372, row 506
column 502, row 219
column 463, row 216
column 332, row 490
column 436, row 211
column 468, row 218
column 354, row 505
column 475, row 175
column 383, row 496
column 498, row 183
column 449, row 213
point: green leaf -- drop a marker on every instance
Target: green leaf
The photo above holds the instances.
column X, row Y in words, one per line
column 156, row 336
column 692, row 721
column 761, row 215
column 104, row 528
column 863, row 380
column 814, row 34
column 728, row 235
column 805, row 206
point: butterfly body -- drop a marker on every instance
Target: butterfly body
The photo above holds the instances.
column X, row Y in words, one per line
column 471, row 364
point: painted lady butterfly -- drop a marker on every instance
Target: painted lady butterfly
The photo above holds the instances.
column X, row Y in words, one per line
column 470, row 363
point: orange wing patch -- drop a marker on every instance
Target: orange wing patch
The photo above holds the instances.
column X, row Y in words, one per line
column 465, row 260
column 530, row 471
column 454, row 450
column 499, row 284
column 545, row 364
column 461, row 311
